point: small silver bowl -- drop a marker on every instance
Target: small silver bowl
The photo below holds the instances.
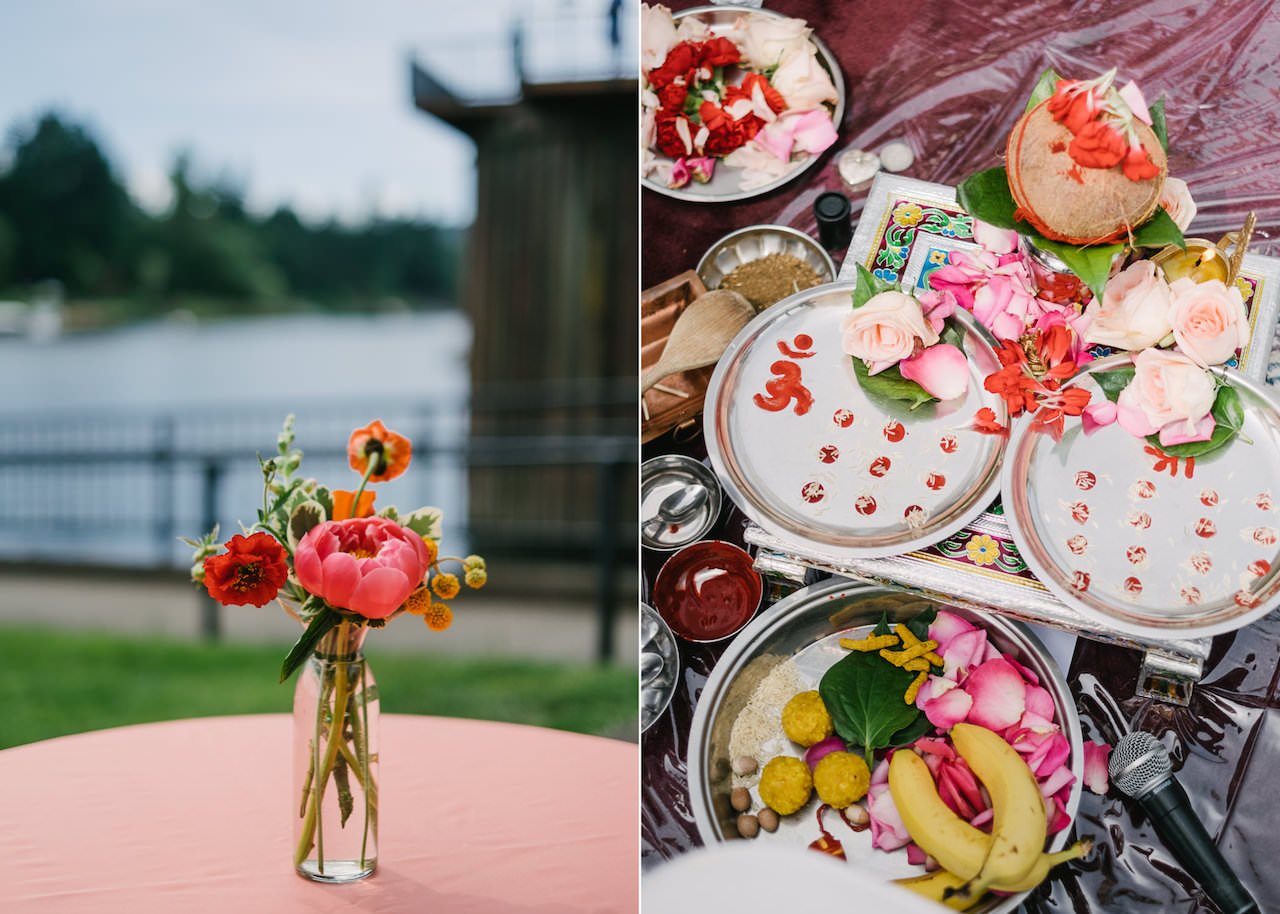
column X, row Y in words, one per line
column 659, row 477
column 757, row 241
column 656, row 691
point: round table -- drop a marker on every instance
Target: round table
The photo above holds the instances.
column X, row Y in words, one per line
column 193, row 816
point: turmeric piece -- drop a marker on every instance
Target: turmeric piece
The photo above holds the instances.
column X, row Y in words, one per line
column 869, row 643
column 919, row 665
column 914, row 689
column 898, row 658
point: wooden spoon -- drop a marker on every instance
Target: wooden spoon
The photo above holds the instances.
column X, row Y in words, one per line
column 701, row 334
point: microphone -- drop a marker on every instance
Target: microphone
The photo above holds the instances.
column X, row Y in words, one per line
column 1141, row 768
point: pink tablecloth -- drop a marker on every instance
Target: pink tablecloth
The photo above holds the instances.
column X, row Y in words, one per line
column 193, row 816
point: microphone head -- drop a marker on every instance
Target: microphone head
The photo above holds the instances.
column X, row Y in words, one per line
column 1139, row 764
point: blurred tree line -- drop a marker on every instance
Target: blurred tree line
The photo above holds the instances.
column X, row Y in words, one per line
column 65, row 215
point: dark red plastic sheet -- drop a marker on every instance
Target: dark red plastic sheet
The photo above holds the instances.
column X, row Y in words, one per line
column 951, row 79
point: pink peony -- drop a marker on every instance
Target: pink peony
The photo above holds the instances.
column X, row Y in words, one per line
column 368, row 565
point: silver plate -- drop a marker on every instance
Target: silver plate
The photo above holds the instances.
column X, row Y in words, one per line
column 807, row 626
column 1153, row 552
column 724, row 185
column 757, row 241
column 656, row 638
column 846, row 474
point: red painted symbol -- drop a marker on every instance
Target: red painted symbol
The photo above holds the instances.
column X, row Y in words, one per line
column 948, row 443
column 843, row 418
column 1145, row 488
column 783, row 389
column 828, row 453
column 1137, row 555
column 1201, row 562
column 879, row 466
column 1132, row 586
column 1208, row 498
column 801, row 343
column 812, row 492
column 894, row 431
column 864, row 504
column 1205, row 528
column 1264, row 536
column 935, row 481
column 1080, row 581
column 915, row 516
column 1190, row 595
column 1246, row 599
column 1259, row 568
column 1139, row 520
column 1168, row 462
column 1085, row 480
column 1079, row 512
column 1263, row 501
column 1077, row 544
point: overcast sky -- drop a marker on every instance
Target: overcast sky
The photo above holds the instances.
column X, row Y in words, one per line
column 300, row 102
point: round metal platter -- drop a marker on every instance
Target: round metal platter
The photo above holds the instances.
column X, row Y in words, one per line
column 805, row 628
column 724, row 186
column 848, row 472
column 757, row 241
column 1154, row 546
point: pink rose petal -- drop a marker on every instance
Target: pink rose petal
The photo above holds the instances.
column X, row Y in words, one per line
column 999, row 695
column 1058, row 778
column 814, row 131
column 945, row 627
column 881, row 773
column 964, row 651
column 1098, row 415
column 951, row 795
column 934, row 746
column 915, row 856
column 777, row 140
column 1037, row 724
column 888, row 832
column 1176, row 432
column 945, row 711
column 1095, row 766
column 934, row 687
column 967, row 784
column 995, row 240
column 1053, row 753
column 1132, row 96
column 983, row 817
column 1027, row 674
column 1056, row 812
column 942, row 370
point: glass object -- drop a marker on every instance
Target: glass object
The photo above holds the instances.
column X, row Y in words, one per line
column 335, row 761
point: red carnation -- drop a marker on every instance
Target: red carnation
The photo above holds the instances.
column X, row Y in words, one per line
column 1073, row 106
column 668, row 138
column 681, row 60
column 1138, row 165
column 720, row 52
column 772, row 97
column 252, row 570
column 1097, row 145
column 671, row 97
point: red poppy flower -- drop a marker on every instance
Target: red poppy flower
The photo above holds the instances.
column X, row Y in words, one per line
column 375, row 442
column 252, row 570
column 1138, row 165
column 1097, row 145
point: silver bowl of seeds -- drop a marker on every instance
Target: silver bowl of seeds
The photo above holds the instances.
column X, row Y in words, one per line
column 765, row 264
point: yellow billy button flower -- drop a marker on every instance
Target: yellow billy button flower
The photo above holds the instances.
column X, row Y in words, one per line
column 438, row 617
column 473, row 561
column 433, row 550
column 419, row 602
column 476, row 578
column 446, row 586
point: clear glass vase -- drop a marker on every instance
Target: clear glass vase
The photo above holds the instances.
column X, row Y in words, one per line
column 335, row 761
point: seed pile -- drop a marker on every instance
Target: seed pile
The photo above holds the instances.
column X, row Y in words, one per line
column 770, row 279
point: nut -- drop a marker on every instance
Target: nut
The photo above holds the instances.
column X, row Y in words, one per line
column 748, row 825
column 745, row 765
column 858, row 815
column 768, row 819
column 740, row 799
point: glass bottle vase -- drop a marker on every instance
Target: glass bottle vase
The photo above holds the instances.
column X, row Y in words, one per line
column 335, row 761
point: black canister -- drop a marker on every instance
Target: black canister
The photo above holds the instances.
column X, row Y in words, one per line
column 832, row 210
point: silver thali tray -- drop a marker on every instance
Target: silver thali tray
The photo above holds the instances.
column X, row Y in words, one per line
column 724, row 185
column 1153, row 546
column 807, row 626
column 836, row 468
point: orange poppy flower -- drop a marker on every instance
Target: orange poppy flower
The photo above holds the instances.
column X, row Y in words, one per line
column 375, row 442
column 342, row 504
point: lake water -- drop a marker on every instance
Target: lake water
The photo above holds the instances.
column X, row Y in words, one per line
column 215, row 389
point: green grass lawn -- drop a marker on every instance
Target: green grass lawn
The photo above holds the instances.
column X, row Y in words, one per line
column 53, row 683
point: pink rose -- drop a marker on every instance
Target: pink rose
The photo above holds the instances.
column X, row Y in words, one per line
column 996, row 288
column 1134, row 312
column 995, row 240
column 1167, row 388
column 1209, row 320
column 1176, row 201
column 888, row 328
column 368, row 565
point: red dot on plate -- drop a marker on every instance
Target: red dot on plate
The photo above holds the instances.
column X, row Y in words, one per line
column 1205, row 528
column 1190, row 595
column 1080, row 581
column 948, row 444
column 895, row 431
column 843, row 418
column 1085, row 480
column 935, row 481
column 1133, row 586
column 1259, row 568
column 1079, row 512
column 828, row 453
column 879, row 466
column 864, row 504
column 1136, row 555
column 812, row 492
column 803, row 341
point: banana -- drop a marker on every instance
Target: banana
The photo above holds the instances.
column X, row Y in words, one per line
column 1018, row 826
column 953, row 842
column 943, row 887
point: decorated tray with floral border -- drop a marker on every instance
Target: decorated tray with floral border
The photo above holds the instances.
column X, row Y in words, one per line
column 725, row 183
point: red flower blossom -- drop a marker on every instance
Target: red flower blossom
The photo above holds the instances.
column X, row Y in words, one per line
column 725, row 134
column 1138, row 165
column 671, row 97
column 252, row 570
column 1052, row 405
column 984, row 421
column 669, row 140
column 1015, row 386
column 681, row 60
column 719, row 52
column 1097, row 145
column 772, row 97
column 1072, row 105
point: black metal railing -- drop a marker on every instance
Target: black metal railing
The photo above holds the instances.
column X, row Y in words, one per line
column 119, row 487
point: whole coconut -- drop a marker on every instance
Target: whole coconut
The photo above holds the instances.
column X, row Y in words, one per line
column 1068, row 202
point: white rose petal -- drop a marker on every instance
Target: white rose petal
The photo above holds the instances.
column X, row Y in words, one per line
column 1134, row 312
column 657, row 35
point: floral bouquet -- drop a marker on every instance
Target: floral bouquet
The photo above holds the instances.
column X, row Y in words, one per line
column 756, row 97
column 340, row 569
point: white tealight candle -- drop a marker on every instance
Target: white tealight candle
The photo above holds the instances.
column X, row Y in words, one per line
column 897, row 156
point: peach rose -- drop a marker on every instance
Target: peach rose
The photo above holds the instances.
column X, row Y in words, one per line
column 888, row 328
column 1167, row 387
column 767, row 41
column 657, row 35
column 1209, row 320
column 803, row 82
column 1134, row 312
column 1176, row 201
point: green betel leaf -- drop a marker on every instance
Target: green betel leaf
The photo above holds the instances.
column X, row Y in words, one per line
column 1114, row 381
column 891, row 384
column 1159, row 231
column 305, row 516
column 1228, row 414
column 1159, row 126
column 863, row 693
column 867, row 286
column 912, row 732
column 986, row 196
column 1044, row 88
column 883, row 627
column 919, row 624
column 424, row 522
column 320, row 626
column 1092, row 264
